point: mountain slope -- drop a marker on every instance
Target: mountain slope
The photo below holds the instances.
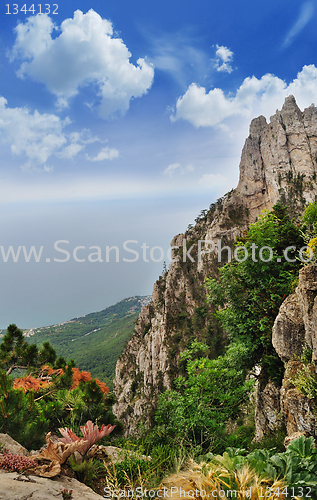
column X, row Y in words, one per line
column 94, row 341
column 278, row 163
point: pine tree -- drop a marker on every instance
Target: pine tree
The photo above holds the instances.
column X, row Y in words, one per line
column 20, row 416
column 16, row 353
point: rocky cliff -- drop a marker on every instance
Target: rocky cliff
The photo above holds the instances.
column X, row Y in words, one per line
column 278, row 162
column 294, row 332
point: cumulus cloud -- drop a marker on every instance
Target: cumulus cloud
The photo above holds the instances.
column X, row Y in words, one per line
column 32, row 135
column 223, row 60
column 305, row 15
column 176, row 167
column 85, row 51
column 38, row 137
column 254, row 97
column 105, row 154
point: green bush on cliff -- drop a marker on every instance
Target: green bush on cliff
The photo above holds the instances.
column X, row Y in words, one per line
column 247, row 296
column 198, row 409
column 249, row 292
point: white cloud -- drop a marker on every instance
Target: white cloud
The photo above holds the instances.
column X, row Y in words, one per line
column 33, row 37
column 252, row 98
column 105, row 154
column 34, row 136
column 84, row 52
column 171, row 169
column 305, row 16
column 70, row 151
column 84, row 137
column 224, row 58
column 176, row 167
column 37, row 137
column 175, row 54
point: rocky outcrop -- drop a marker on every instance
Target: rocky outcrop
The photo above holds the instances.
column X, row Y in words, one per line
column 278, row 162
column 13, row 486
column 279, row 158
column 288, row 335
column 297, row 411
column 16, row 486
column 267, row 411
column 12, row 446
column 296, row 323
column 295, row 329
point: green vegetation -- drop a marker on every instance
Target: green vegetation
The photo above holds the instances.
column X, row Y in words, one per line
column 261, row 473
column 205, row 420
column 250, row 292
column 94, row 341
column 28, row 416
column 20, row 416
column 210, row 398
column 208, row 411
column 50, row 395
column 198, row 409
column 16, row 353
column 304, row 376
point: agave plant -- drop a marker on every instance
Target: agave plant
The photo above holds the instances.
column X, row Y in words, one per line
column 90, row 432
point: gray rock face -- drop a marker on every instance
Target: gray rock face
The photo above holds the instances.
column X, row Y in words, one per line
column 12, row 446
column 288, row 336
column 296, row 323
column 38, row 488
column 298, row 413
column 267, row 413
column 34, row 487
column 294, row 328
column 278, row 161
column 306, row 293
column 279, row 158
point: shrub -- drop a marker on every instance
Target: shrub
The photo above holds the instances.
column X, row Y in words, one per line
column 263, row 473
column 87, row 471
column 196, row 412
column 248, row 293
column 20, row 415
column 305, row 381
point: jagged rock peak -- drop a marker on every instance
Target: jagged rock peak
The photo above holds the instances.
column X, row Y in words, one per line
column 290, row 106
column 278, row 161
column 257, row 126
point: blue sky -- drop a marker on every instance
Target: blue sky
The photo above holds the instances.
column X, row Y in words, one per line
column 121, row 121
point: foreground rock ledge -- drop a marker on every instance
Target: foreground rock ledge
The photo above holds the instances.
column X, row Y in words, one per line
column 39, row 488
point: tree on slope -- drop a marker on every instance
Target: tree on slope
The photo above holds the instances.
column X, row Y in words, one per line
column 16, row 353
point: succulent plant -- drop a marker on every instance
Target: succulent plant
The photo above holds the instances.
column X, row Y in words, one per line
column 67, row 494
column 15, row 463
column 90, row 432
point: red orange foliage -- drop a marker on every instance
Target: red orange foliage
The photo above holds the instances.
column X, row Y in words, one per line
column 28, row 382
